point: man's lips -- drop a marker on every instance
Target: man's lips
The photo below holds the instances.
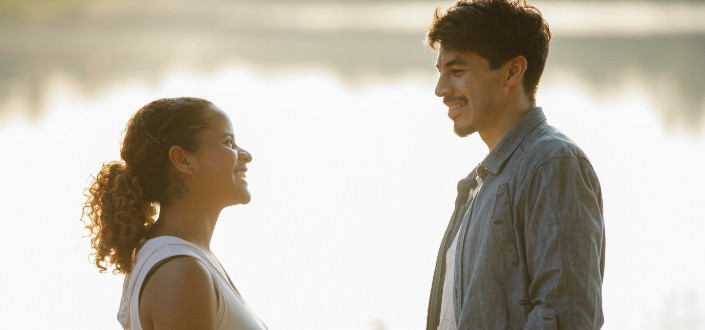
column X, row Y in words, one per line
column 455, row 105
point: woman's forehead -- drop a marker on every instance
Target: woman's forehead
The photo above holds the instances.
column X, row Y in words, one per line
column 219, row 121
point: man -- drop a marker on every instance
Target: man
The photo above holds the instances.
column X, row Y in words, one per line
column 525, row 247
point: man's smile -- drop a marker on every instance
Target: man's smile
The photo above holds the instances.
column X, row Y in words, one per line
column 455, row 105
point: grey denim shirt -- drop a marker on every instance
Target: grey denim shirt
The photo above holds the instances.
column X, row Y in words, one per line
column 531, row 249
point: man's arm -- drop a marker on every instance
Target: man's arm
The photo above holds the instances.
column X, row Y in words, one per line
column 565, row 245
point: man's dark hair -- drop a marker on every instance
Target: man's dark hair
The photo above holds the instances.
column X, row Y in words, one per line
column 497, row 30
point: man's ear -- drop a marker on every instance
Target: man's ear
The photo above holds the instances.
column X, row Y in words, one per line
column 180, row 160
column 516, row 68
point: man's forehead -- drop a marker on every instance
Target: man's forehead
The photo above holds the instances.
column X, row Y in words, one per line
column 449, row 57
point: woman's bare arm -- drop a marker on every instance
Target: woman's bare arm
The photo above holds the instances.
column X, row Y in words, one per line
column 180, row 294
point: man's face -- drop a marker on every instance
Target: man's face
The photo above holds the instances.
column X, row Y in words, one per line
column 469, row 88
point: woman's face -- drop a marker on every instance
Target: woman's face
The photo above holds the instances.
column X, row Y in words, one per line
column 220, row 164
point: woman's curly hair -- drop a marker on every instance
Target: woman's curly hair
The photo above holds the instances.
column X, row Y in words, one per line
column 121, row 218
column 123, row 199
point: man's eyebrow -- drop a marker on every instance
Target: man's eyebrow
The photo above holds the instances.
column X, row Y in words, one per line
column 455, row 61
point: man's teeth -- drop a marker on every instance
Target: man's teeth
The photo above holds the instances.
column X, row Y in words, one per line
column 456, row 105
column 240, row 174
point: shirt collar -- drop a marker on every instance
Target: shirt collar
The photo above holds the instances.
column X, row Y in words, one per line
column 505, row 148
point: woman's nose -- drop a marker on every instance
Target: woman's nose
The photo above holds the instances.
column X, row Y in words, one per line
column 244, row 156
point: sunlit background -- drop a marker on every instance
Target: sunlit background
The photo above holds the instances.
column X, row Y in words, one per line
column 355, row 163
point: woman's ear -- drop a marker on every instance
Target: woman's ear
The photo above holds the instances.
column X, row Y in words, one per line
column 516, row 69
column 180, row 160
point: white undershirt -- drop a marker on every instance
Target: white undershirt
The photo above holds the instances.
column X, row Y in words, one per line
column 447, row 321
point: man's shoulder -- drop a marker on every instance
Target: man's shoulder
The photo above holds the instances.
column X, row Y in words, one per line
column 547, row 142
column 547, row 148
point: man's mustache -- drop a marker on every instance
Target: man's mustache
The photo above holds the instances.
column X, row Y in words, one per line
column 453, row 99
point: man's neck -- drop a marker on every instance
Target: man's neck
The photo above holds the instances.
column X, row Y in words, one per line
column 504, row 122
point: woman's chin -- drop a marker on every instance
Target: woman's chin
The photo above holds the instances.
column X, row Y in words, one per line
column 242, row 198
column 247, row 200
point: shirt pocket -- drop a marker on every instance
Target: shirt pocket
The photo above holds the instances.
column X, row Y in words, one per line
column 541, row 319
column 502, row 224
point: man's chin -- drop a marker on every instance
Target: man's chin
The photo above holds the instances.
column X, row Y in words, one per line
column 463, row 131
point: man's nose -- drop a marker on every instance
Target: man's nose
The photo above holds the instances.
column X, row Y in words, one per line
column 443, row 88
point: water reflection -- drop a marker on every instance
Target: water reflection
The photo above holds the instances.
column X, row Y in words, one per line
column 99, row 44
column 668, row 65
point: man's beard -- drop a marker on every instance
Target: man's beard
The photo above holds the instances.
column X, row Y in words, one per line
column 463, row 131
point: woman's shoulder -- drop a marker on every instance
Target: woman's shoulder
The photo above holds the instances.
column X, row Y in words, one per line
column 160, row 241
column 165, row 246
column 178, row 292
column 156, row 250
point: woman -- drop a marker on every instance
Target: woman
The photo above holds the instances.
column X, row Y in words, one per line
column 180, row 161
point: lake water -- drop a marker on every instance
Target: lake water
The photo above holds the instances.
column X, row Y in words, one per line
column 355, row 163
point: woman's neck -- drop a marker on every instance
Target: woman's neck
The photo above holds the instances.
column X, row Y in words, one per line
column 188, row 222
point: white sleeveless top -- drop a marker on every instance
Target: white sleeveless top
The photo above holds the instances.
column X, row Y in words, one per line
column 232, row 313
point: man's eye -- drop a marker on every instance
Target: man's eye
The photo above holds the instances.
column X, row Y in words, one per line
column 230, row 144
column 457, row 72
